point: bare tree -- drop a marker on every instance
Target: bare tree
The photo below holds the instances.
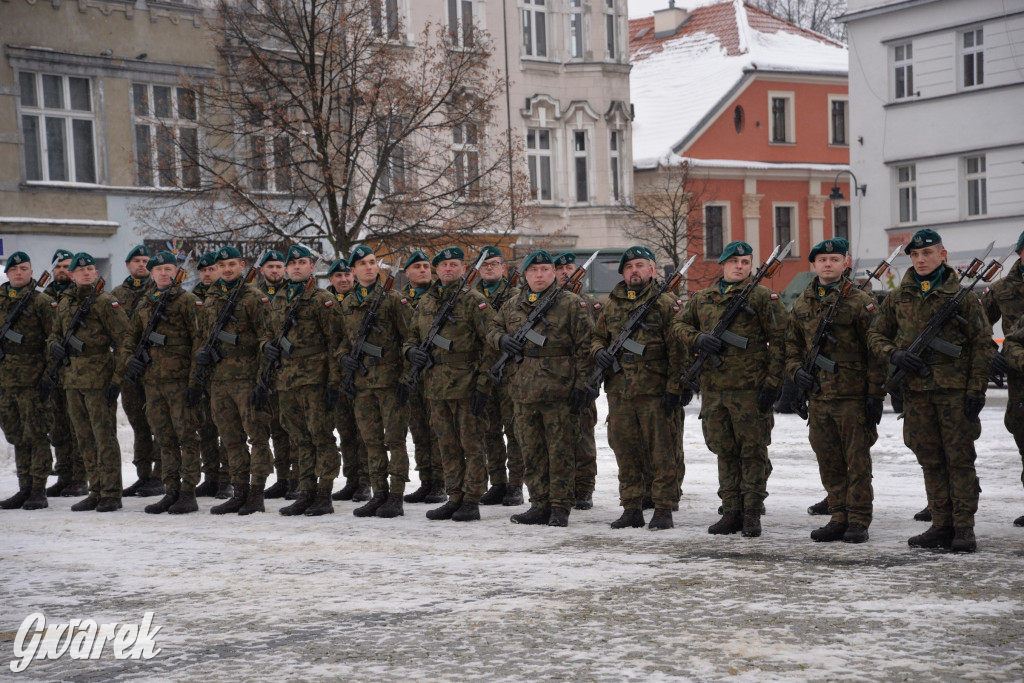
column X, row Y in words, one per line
column 325, row 123
column 816, row 15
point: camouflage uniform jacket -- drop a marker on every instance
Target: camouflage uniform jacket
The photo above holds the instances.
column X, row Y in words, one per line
column 272, row 290
column 464, row 368
column 312, row 359
column 656, row 371
column 506, row 295
column 410, row 300
column 24, row 364
column 1005, row 299
column 130, row 292
column 241, row 360
column 388, row 333
column 859, row 373
column 547, row 373
column 171, row 360
column 750, row 369
column 101, row 330
column 200, row 290
column 905, row 314
column 1013, row 347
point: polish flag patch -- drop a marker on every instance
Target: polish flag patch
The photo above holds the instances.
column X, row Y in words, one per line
column 774, row 296
column 869, row 307
column 328, row 303
column 583, row 304
column 265, row 300
column 482, row 305
column 199, row 302
column 597, row 307
column 403, row 301
column 54, row 304
column 116, row 305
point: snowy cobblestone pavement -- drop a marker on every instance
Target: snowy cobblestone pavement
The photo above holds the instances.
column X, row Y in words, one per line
column 269, row 597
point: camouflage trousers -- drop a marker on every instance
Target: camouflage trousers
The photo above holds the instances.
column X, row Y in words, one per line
column 586, row 450
column 236, row 420
column 285, row 460
column 841, row 437
column 1014, row 417
column 942, row 437
column 146, row 458
column 547, row 435
column 175, row 426
column 69, row 463
column 383, row 425
column 679, row 417
column 739, row 435
column 95, row 425
column 211, row 451
column 427, row 452
column 24, row 424
column 643, row 438
column 499, row 426
column 309, row 431
column 355, row 465
column 460, row 438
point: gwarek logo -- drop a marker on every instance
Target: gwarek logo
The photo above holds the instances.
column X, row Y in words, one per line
column 82, row 639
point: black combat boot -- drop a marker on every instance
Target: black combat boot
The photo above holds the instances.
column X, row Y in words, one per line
column 467, row 512
column 751, row 523
column 584, row 500
column 253, row 501
column 819, row 508
column 558, row 517
column 224, row 491
column 513, row 496
column 57, row 487
column 437, row 492
column 362, row 494
column 233, row 504
column 185, row 504
column 86, row 504
column 630, row 519
column 1019, row 521
column 277, row 490
column 855, row 533
column 963, row 540
column 36, row 499
column 535, row 515
column 152, row 487
column 446, row 511
column 347, row 491
column 293, row 490
column 934, row 537
column 662, row 519
column 75, row 489
column 132, row 490
column 370, row 509
column 495, row 495
column 108, row 504
column 321, row 504
column 164, row 504
column 923, row 516
column 833, row 531
column 17, row 500
column 208, row 489
column 392, row 507
column 420, row 494
column 300, row 505
column 730, row 523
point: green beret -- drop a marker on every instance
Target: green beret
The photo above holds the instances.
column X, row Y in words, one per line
column 836, row 245
column 141, row 250
column 1020, row 243
column 925, row 237
column 81, row 259
column 565, row 259
column 636, row 252
column 736, row 248
column 490, row 252
column 16, row 259
column 164, row 258
column 206, row 260
column 297, row 251
column 61, row 255
column 359, row 251
column 271, row 255
column 538, row 257
column 339, row 266
column 449, row 253
column 225, row 253
column 417, row 256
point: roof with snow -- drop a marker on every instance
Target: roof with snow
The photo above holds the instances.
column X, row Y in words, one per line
column 678, row 81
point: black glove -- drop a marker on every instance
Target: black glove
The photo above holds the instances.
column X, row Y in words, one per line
column 134, row 367
column 418, row 357
column 766, row 398
column 44, row 389
column 203, row 358
column 873, row 408
column 350, row 363
column 331, row 398
column 510, row 345
column 669, row 402
column 403, row 392
column 973, row 406
column 193, row 397
column 803, row 379
column 896, row 398
column 604, row 359
column 708, row 343
column 57, row 352
column 999, row 364
column 478, row 403
column 578, row 400
column 907, row 361
column 113, row 391
column 686, row 398
column 272, row 351
column 259, row 399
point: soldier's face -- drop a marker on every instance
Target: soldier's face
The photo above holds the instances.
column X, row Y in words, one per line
column 737, row 268
column 565, row 272
column 273, row 272
column 636, row 272
column 927, row 259
column 137, row 266
column 85, row 275
column 230, row 269
column 343, row 282
column 60, row 271
column 366, row 270
column 299, row 269
column 829, row 267
column 20, row 275
column 450, row 270
column 418, row 274
column 492, row 269
column 208, row 275
column 539, row 276
column 163, row 275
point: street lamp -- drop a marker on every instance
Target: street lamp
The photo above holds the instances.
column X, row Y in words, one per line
column 837, row 194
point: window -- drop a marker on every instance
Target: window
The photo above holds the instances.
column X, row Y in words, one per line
column 838, row 125
column 714, row 230
column 466, row 158
column 974, row 58
column 906, row 189
column 57, row 124
column 270, row 156
column 977, row 186
column 902, row 57
column 785, row 225
column 781, row 128
column 538, row 160
column 535, row 40
column 580, row 164
column 841, row 221
column 610, row 23
column 615, row 154
column 385, row 18
column 392, row 178
column 167, row 137
column 460, row 22
column 576, row 29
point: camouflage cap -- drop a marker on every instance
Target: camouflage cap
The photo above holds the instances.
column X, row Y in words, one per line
column 61, row 255
column 164, row 258
column 1020, row 243
column 925, row 237
column 206, row 260
column 836, row 245
column 416, row 257
column 225, row 253
column 141, row 250
column 737, row 248
column 16, row 259
column 448, row 254
column 360, row 251
column 271, row 255
column 297, row 251
column 539, row 257
column 565, row 259
column 339, row 266
column 490, row 252
column 636, row 252
column 81, row 259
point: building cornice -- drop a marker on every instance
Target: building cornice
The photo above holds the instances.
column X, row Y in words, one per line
column 881, row 10
column 42, row 59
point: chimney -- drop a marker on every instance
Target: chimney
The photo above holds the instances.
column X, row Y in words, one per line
column 667, row 21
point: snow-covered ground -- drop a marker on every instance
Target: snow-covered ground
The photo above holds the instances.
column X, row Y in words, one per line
column 337, row 597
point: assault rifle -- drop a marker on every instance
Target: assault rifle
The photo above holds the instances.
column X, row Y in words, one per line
column 929, row 341
column 814, row 359
column 732, row 311
column 70, row 343
column 217, row 333
column 526, row 332
column 150, row 337
column 362, row 347
column 7, row 332
column 878, row 272
column 501, row 296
